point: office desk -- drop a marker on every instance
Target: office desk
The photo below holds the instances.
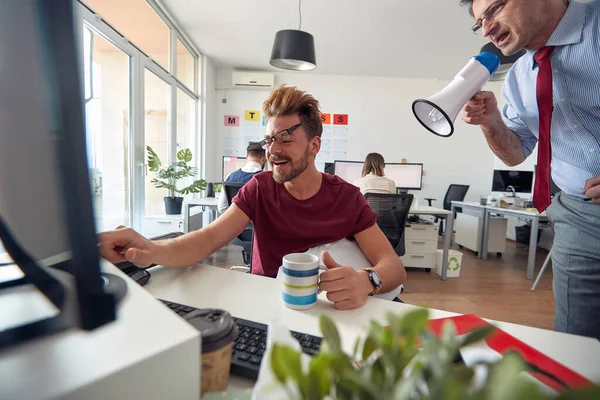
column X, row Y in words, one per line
column 473, row 206
column 209, row 203
column 258, row 298
column 532, row 216
column 427, row 210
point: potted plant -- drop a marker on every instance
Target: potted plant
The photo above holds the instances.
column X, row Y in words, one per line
column 404, row 360
column 168, row 176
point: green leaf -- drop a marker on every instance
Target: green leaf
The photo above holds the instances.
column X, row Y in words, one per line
column 318, row 377
column 153, row 160
column 285, row 362
column 592, row 393
column 184, row 155
column 477, row 335
column 330, row 333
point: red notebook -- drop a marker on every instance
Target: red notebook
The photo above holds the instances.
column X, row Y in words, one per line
column 502, row 342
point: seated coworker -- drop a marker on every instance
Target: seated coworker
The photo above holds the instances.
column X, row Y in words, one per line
column 255, row 161
column 373, row 176
column 293, row 208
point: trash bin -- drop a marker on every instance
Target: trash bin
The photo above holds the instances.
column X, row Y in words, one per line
column 454, row 263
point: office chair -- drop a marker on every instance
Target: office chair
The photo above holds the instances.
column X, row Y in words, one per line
column 454, row 193
column 392, row 215
column 246, row 238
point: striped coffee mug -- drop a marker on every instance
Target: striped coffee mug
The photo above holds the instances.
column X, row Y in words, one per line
column 300, row 278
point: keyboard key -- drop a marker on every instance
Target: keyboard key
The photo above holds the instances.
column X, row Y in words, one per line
column 256, row 337
column 251, row 350
column 255, row 360
column 262, row 345
column 245, row 334
column 243, row 356
column 252, row 343
column 310, row 352
column 307, row 338
column 241, row 340
column 260, row 352
column 296, row 335
column 188, row 309
column 240, row 347
column 257, row 332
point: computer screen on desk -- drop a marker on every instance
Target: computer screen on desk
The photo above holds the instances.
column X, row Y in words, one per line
column 521, row 181
column 231, row 164
column 348, row 170
column 405, row 176
column 46, row 212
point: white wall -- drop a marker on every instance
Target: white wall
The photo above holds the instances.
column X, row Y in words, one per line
column 380, row 120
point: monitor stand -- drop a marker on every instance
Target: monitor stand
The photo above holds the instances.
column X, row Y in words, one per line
column 401, row 191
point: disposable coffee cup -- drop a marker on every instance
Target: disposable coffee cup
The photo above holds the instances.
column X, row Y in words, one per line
column 218, row 331
column 300, row 280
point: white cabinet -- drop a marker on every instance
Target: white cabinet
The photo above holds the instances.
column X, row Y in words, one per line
column 469, row 232
column 420, row 242
column 155, row 225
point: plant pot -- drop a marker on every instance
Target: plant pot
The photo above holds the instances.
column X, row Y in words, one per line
column 173, row 205
column 210, row 190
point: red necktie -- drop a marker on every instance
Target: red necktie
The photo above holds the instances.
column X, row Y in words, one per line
column 541, row 194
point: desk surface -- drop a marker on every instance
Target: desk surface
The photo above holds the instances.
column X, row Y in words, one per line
column 426, row 210
column 473, row 204
column 203, row 201
column 500, row 210
column 257, row 298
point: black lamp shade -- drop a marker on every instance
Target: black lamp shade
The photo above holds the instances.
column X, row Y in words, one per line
column 503, row 59
column 294, row 50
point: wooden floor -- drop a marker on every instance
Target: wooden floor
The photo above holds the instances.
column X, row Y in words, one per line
column 496, row 288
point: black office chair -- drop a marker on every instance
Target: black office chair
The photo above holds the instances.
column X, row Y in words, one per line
column 392, row 215
column 454, row 193
column 246, row 238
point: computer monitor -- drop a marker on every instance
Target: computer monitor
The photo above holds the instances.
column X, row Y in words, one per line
column 329, row 168
column 46, row 213
column 521, row 181
column 231, row 164
column 405, row 176
column 348, row 170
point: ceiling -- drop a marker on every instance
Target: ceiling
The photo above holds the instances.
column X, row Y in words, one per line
column 394, row 38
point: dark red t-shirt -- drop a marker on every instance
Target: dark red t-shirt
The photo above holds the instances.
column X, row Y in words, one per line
column 284, row 224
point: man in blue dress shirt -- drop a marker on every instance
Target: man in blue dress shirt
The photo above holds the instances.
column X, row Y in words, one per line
column 552, row 96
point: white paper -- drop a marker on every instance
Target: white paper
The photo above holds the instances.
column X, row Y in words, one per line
column 251, row 129
column 325, row 144
column 339, row 144
column 231, row 146
column 339, row 155
column 326, row 132
column 340, row 131
column 323, row 156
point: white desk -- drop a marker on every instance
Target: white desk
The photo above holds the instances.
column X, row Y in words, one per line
column 209, row 203
column 473, row 206
column 258, row 298
column 532, row 216
column 426, row 210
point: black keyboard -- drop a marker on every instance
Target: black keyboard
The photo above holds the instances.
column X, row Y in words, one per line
column 251, row 342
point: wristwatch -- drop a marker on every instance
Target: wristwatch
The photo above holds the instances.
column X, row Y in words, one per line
column 375, row 280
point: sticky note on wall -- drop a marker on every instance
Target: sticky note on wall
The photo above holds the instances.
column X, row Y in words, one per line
column 326, row 119
column 252, row 115
column 232, row 120
column 340, row 119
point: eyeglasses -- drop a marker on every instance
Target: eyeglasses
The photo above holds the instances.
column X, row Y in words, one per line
column 490, row 14
column 281, row 137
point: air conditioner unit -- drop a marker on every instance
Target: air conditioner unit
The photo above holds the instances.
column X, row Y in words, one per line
column 252, row 80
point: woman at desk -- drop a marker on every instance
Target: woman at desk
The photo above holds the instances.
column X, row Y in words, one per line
column 373, row 178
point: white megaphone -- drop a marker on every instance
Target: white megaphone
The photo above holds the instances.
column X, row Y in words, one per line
column 438, row 112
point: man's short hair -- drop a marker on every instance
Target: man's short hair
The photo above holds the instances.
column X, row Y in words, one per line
column 254, row 149
column 287, row 100
column 468, row 3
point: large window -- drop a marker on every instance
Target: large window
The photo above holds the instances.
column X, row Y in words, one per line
column 139, row 92
column 139, row 23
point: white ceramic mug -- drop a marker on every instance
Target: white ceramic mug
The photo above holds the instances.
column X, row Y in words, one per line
column 300, row 280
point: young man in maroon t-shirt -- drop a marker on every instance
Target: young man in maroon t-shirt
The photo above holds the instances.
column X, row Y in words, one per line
column 293, row 208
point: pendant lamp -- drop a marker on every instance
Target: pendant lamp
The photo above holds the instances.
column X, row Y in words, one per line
column 294, row 49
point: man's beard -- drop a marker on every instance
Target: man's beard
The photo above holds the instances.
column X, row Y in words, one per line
column 296, row 168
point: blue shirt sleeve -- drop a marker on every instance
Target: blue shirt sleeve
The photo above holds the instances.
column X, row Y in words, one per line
column 511, row 116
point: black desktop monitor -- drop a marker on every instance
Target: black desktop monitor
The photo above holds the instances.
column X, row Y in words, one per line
column 329, row 168
column 46, row 214
column 521, row 181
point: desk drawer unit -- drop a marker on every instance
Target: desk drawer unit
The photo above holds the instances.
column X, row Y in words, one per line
column 421, row 232
column 161, row 224
column 421, row 242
